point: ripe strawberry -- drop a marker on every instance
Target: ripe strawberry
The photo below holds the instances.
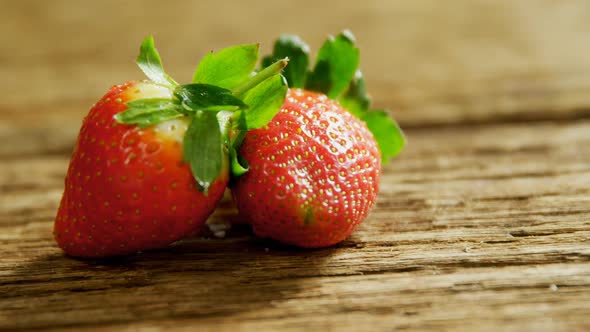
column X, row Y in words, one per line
column 127, row 189
column 313, row 174
column 314, row 169
column 151, row 162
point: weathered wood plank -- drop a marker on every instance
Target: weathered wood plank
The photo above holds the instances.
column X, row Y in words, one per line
column 475, row 227
column 547, row 296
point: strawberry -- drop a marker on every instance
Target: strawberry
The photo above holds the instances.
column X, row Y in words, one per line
column 314, row 169
column 152, row 160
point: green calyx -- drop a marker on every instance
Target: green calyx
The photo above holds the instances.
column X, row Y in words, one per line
column 336, row 74
column 225, row 95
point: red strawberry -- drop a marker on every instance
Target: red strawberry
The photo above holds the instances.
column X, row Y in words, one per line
column 151, row 162
column 314, row 173
column 128, row 189
column 314, row 169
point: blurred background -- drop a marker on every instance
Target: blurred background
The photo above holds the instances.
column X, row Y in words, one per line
column 430, row 62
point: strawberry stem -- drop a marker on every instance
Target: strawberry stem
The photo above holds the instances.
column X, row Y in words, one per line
column 261, row 76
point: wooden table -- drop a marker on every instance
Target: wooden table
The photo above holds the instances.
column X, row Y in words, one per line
column 483, row 223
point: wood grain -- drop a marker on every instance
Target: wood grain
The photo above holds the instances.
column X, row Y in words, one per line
column 468, row 229
column 482, row 224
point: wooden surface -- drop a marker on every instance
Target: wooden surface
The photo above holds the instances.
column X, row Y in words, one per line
column 483, row 223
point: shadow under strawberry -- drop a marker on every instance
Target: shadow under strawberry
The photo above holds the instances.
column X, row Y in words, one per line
column 194, row 278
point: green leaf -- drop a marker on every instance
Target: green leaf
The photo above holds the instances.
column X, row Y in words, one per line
column 355, row 99
column 205, row 97
column 150, row 63
column 146, row 120
column 292, row 47
column 264, row 102
column 203, row 148
column 336, row 65
column 388, row 134
column 229, row 67
column 147, row 112
column 239, row 166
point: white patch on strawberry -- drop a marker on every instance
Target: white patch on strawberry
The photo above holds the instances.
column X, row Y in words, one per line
column 173, row 129
column 144, row 90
